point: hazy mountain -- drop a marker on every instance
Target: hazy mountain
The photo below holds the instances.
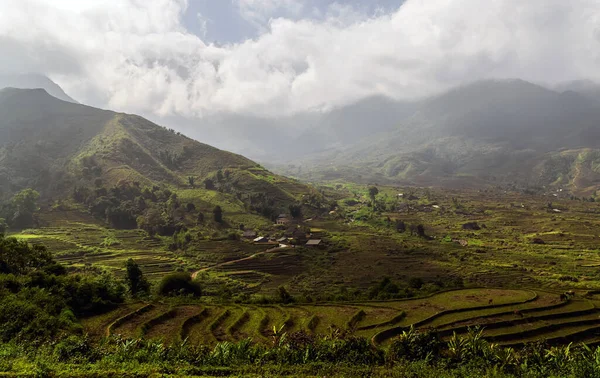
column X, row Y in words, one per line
column 32, row 81
column 496, row 131
column 586, row 88
column 287, row 139
column 53, row 145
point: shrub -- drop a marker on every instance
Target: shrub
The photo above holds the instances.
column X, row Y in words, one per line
column 413, row 345
column 471, row 226
column 179, row 284
column 415, row 283
column 284, row 295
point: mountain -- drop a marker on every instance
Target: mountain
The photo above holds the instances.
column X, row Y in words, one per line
column 286, row 139
column 32, row 81
column 508, row 131
column 586, row 88
column 54, row 146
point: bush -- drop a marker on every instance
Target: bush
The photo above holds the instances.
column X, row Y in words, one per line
column 413, row 345
column 471, row 226
column 179, row 284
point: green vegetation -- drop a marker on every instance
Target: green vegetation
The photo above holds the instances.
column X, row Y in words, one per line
column 136, row 282
column 38, row 300
column 179, row 284
column 20, row 210
column 302, row 354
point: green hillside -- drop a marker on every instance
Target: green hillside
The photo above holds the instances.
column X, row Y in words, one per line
column 59, row 148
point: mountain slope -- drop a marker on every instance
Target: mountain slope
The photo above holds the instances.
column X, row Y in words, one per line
column 32, row 81
column 53, row 145
column 496, row 131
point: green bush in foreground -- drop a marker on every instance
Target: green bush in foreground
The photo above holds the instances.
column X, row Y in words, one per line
column 39, row 301
column 300, row 354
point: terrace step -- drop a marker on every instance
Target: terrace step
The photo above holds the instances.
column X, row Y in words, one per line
column 449, row 328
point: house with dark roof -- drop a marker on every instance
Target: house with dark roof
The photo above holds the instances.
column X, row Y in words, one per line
column 261, row 239
column 283, row 219
column 249, row 234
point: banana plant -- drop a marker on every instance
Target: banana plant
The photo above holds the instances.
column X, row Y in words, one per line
column 560, row 356
column 457, row 347
column 279, row 336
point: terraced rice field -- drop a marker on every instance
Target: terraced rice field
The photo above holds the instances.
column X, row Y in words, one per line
column 513, row 318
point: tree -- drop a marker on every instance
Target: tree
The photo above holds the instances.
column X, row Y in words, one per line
column 24, row 205
column 180, row 283
column 153, row 222
column 415, row 283
column 400, row 226
column 295, row 211
column 17, row 257
column 137, row 283
column 284, row 295
column 218, row 214
column 421, row 230
column 373, row 192
column 3, row 226
column 190, row 207
column 191, row 181
column 209, row 184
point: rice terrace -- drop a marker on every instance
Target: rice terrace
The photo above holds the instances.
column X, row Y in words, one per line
column 515, row 300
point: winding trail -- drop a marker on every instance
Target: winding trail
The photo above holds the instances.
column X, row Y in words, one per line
column 272, row 250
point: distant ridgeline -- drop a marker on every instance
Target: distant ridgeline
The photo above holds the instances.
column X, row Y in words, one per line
column 489, row 132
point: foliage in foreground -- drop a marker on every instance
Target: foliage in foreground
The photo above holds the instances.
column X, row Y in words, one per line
column 40, row 301
column 411, row 354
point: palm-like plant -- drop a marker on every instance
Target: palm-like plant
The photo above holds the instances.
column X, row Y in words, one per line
column 560, row 356
column 457, row 347
column 506, row 357
column 279, row 336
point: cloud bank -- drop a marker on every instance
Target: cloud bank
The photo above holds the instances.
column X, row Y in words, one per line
column 137, row 56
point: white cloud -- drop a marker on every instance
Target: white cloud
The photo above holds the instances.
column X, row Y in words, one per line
column 203, row 21
column 136, row 56
column 259, row 12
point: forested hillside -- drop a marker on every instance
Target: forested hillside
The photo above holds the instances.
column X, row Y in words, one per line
column 107, row 161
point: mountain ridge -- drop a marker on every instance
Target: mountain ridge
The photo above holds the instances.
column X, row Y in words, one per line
column 54, row 146
column 495, row 131
column 33, row 81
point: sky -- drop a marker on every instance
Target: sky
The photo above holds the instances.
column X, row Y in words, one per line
column 274, row 58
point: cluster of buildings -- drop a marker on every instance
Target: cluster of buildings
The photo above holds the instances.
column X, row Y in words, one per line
column 293, row 236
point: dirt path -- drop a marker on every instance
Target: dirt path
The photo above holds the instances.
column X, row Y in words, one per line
column 272, row 250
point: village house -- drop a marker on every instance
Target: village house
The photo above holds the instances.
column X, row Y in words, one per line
column 261, row 239
column 314, row 243
column 249, row 234
column 283, row 219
